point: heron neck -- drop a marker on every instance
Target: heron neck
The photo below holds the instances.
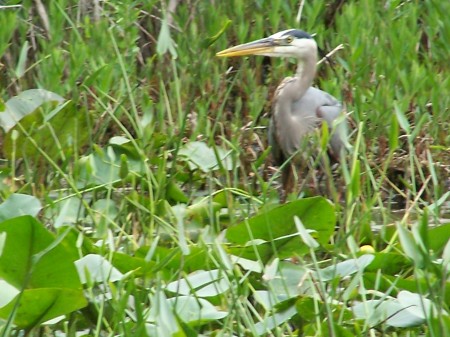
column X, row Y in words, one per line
column 306, row 70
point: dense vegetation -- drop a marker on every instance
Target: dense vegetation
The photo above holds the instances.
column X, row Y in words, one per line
column 138, row 195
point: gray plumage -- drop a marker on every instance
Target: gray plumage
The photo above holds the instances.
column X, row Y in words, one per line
column 298, row 108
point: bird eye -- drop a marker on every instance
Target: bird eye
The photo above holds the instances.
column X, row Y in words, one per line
column 289, row 39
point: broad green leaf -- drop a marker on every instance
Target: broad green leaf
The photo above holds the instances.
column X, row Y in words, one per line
column 246, row 264
column 174, row 192
column 42, row 267
column 40, row 305
column 105, row 212
column 161, row 317
column 203, row 283
column 446, row 256
column 2, row 242
column 306, row 237
column 346, row 268
column 25, row 238
column 271, row 270
column 420, row 232
column 203, row 209
column 201, row 156
column 417, row 304
column 410, row 247
column 374, row 312
column 7, row 293
column 274, row 233
column 388, row 263
column 19, row 204
column 67, row 212
column 169, row 260
column 25, row 104
column 407, row 310
column 195, row 311
column 57, row 132
column 274, row 320
column 126, row 263
column 104, row 165
column 266, row 298
column 328, row 329
column 438, row 237
column 384, row 284
column 289, row 281
column 306, row 308
column 95, row 268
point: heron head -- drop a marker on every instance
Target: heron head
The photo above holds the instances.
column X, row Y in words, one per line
column 288, row 43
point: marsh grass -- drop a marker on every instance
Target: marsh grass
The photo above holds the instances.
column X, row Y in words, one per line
column 131, row 194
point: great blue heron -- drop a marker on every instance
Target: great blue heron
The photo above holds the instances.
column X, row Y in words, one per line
column 298, row 108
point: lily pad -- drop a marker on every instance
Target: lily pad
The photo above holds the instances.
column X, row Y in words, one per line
column 201, row 156
column 274, row 233
column 25, row 239
column 25, row 104
column 41, row 268
column 19, row 204
column 40, row 305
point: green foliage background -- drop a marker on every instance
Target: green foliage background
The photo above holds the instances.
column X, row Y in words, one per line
column 150, row 147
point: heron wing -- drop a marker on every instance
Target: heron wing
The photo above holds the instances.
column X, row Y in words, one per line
column 330, row 110
column 289, row 130
column 293, row 120
column 338, row 131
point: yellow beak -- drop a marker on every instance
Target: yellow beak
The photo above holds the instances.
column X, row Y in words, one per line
column 257, row 47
